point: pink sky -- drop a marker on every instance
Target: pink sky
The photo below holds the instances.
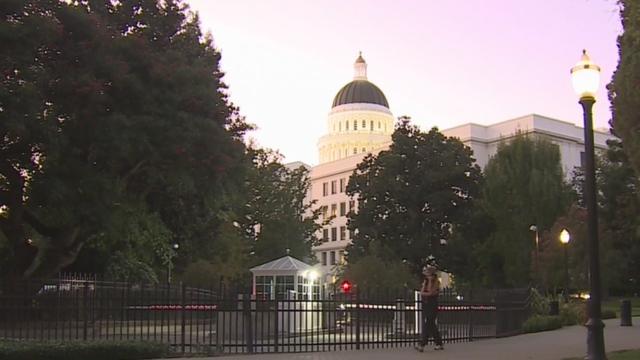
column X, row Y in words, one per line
column 442, row 62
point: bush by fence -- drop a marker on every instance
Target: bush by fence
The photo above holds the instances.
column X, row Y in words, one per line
column 81, row 350
column 539, row 323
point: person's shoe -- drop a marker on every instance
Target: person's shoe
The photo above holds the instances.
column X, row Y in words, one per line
column 439, row 347
column 420, row 348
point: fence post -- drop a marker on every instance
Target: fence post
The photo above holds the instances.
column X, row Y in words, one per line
column 276, row 325
column 470, row 304
column 358, row 316
column 182, row 320
column 246, row 310
column 85, row 293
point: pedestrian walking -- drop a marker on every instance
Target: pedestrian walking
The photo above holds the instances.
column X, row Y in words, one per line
column 430, row 291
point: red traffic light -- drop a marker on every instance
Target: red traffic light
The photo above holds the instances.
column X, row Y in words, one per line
column 345, row 286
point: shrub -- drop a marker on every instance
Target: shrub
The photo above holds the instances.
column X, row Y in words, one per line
column 539, row 303
column 81, row 350
column 539, row 323
column 573, row 313
column 608, row 314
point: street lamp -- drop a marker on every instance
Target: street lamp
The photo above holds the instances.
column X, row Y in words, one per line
column 585, row 76
column 174, row 247
column 534, row 228
column 565, row 237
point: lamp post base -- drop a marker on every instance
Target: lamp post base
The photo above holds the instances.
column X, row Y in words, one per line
column 595, row 340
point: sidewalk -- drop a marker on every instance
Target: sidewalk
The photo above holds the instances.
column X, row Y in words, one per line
column 549, row 345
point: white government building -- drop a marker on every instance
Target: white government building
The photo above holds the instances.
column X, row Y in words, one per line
column 361, row 122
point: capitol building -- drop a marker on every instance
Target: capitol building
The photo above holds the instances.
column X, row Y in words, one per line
column 361, row 122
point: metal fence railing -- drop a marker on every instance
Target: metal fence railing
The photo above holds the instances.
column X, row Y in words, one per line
column 208, row 321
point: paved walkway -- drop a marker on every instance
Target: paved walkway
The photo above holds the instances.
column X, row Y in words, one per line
column 549, row 345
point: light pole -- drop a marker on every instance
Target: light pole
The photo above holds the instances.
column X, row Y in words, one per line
column 565, row 237
column 534, row 228
column 175, row 248
column 585, row 76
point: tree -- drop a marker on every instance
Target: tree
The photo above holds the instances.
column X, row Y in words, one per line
column 624, row 88
column 619, row 223
column 523, row 185
column 142, row 127
column 551, row 270
column 412, row 197
column 619, row 209
column 378, row 273
column 276, row 216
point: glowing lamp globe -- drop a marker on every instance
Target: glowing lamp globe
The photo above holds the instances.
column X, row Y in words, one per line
column 565, row 237
column 585, row 77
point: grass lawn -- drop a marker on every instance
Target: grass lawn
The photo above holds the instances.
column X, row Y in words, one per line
column 618, row 355
column 614, row 304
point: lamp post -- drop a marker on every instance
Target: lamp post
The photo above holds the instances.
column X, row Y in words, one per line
column 175, row 248
column 565, row 237
column 585, row 76
column 534, row 228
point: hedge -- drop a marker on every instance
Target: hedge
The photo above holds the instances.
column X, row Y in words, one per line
column 81, row 350
column 539, row 323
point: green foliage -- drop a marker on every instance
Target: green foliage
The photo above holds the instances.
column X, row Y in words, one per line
column 412, row 197
column 379, row 273
column 608, row 314
column 523, row 185
column 276, row 216
column 82, row 350
column 623, row 88
column 139, row 149
column 539, row 303
column 617, row 355
column 573, row 313
column 538, row 323
column 619, row 222
column 551, row 273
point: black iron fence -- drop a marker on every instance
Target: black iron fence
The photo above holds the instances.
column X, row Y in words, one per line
column 210, row 321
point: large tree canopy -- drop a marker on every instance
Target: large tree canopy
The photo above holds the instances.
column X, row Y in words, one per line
column 625, row 85
column 115, row 128
column 523, row 186
column 412, row 197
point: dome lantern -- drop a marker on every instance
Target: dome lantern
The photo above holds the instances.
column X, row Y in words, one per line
column 360, row 68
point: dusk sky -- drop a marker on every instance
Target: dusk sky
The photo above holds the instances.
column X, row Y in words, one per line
column 444, row 63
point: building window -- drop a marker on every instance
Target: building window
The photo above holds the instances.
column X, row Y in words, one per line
column 325, row 189
column 371, row 125
column 583, row 159
column 324, row 258
column 378, row 125
column 325, row 210
column 334, row 234
column 341, row 257
column 343, row 233
column 334, row 209
column 355, row 125
column 364, row 124
column 364, row 150
column 325, row 235
column 355, row 151
column 332, row 257
column 346, row 125
column 343, row 182
column 343, row 209
column 334, row 187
